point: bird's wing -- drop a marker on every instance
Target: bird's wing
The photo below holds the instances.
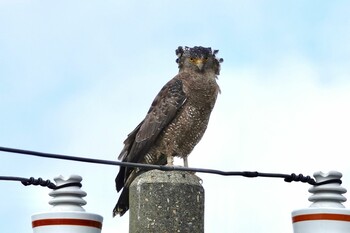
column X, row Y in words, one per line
column 162, row 111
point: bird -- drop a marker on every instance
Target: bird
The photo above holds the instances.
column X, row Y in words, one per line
column 176, row 120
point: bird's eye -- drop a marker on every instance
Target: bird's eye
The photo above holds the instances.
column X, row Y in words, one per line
column 206, row 58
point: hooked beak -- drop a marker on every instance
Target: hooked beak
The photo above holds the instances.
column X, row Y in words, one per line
column 199, row 63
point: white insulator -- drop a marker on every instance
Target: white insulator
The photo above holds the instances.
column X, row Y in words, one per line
column 327, row 195
column 69, row 198
column 67, row 213
column 326, row 213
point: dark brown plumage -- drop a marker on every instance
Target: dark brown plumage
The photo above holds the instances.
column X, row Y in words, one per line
column 176, row 120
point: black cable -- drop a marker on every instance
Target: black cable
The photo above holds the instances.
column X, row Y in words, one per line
column 249, row 174
column 39, row 181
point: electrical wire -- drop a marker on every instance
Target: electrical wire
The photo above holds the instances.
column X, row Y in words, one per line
column 250, row 174
column 39, row 181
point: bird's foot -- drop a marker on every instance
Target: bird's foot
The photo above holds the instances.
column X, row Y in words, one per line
column 170, row 160
column 185, row 161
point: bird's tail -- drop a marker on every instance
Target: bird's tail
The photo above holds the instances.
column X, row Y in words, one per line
column 123, row 203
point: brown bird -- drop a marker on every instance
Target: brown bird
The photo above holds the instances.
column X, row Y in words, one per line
column 176, row 120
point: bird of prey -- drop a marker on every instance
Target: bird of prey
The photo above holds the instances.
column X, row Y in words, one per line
column 176, row 120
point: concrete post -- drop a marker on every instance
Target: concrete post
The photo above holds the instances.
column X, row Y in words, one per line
column 166, row 202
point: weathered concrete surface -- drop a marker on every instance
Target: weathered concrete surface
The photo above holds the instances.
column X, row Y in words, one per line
column 166, row 202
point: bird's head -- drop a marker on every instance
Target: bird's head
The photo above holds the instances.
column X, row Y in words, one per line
column 199, row 59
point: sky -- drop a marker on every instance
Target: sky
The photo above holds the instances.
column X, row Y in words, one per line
column 77, row 76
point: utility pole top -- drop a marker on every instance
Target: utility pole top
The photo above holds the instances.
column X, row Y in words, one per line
column 166, row 201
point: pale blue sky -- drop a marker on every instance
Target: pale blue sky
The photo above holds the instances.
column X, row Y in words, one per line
column 77, row 76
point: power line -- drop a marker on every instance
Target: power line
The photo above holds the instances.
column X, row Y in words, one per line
column 249, row 174
column 39, row 181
